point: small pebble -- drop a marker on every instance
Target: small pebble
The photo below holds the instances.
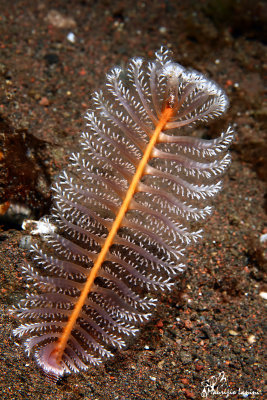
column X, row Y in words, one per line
column 59, row 20
column 44, row 102
column 263, row 238
column 251, row 339
column 25, row 242
column 233, row 333
column 71, row 37
column 163, row 30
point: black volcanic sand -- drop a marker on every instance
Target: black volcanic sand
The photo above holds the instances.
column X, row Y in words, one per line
column 53, row 55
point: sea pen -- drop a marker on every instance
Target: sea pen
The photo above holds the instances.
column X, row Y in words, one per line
column 123, row 213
